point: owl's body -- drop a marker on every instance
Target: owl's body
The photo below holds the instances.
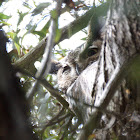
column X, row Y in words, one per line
column 71, row 66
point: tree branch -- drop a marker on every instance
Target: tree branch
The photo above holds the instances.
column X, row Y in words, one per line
column 53, row 91
column 50, row 122
column 54, row 120
column 46, row 61
column 27, row 61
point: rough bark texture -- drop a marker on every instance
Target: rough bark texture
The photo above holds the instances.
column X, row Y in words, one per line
column 121, row 43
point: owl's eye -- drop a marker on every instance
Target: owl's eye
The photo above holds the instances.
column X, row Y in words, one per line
column 66, row 68
column 92, row 51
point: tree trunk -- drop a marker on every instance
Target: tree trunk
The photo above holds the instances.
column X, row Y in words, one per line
column 110, row 83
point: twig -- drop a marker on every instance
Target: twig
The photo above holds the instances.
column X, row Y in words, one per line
column 46, row 61
column 52, row 122
column 75, row 127
column 65, row 127
column 53, row 91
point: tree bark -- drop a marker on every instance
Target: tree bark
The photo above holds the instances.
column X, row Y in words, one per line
column 107, row 83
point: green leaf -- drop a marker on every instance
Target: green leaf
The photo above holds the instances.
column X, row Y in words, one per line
column 25, row 4
column 12, row 35
column 85, row 38
column 58, row 35
column 46, row 28
column 21, row 16
column 3, row 16
column 4, row 23
column 17, row 47
column 54, row 14
column 40, row 8
column 14, row 55
column 30, row 27
column 16, row 38
column 42, row 33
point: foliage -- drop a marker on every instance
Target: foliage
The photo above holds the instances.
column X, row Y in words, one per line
column 49, row 118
